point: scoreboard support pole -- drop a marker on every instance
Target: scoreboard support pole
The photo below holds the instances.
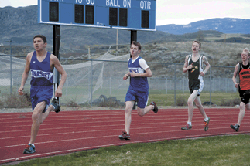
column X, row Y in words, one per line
column 56, row 48
column 133, row 35
column 133, row 38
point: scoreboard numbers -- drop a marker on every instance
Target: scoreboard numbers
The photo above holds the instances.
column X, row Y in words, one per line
column 118, row 14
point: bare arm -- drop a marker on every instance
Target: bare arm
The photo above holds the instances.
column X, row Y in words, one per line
column 186, row 67
column 147, row 74
column 25, row 73
column 234, row 76
column 63, row 73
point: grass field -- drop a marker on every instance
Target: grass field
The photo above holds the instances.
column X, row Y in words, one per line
column 219, row 150
column 81, row 94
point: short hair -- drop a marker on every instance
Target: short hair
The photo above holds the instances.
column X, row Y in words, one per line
column 40, row 36
column 136, row 44
column 245, row 50
column 198, row 43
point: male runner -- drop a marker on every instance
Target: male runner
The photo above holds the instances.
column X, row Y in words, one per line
column 194, row 65
column 138, row 89
column 243, row 71
column 41, row 64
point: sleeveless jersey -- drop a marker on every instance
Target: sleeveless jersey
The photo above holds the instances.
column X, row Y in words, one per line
column 41, row 74
column 194, row 73
column 137, row 83
column 244, row 76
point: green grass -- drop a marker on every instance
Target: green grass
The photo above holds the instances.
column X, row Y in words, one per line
column 168, row 99
column 219, row 150
column 79, row 94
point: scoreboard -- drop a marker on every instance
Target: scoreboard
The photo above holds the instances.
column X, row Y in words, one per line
column 118, row 14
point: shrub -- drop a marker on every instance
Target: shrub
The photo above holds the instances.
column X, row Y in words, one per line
column 72, row 103
column 181, row 101
column 230, row 103
column 16, row 101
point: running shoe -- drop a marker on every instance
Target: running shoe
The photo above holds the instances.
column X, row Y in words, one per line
column 155, row 110
column 29, row 149
column 55, row 104
column 206, row 124
column 187, row 127
column 124, row 136
column 235, row 127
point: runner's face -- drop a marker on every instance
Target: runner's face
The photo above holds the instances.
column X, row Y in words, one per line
column 244, row 56
column 134, row 50
column 195, row 47
column 38, row 44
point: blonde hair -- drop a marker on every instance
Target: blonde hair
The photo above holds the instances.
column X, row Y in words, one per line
column 246, row 51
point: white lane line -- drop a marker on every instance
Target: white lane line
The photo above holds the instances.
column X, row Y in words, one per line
column 15, row 145
column 79, row 139
column 110, row 136
column 8, row 159
column 75, row 132
column 26, row 144
column 7, row 137
column 11, row 131
column 70, row 150
column 54, row 152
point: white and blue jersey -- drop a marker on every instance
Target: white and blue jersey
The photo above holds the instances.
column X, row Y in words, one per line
column 41, row 80
column 138, row 89
column 138, row 83
column 41, row 74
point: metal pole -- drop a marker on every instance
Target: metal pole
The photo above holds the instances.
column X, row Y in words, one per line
column 110, row 85
column 56, row 48
column 10, row 66
column 175, row 84
column 210, row 84
column 166, row 85
column 133, row 36
column 91, row 81
column 117, row 42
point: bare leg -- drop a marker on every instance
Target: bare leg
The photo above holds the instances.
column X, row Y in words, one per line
column 241, row 113
column 128, row 116
column 46, row 114
column 36, row 120
column 200, row 107
column 190, row 105
column 144, row 111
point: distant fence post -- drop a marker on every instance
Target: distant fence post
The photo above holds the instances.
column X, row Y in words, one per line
column 91, row 84
column 210, row 83
column 175, row 84
column 166, row 85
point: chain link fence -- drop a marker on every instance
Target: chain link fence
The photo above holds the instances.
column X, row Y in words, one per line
column 90, row 82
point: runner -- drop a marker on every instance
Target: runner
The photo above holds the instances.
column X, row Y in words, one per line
column 194, row 65
column 138, row 89
column 242, row 70
column 41, row 64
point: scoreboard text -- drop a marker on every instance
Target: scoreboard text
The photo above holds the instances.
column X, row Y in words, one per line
column 118, row 14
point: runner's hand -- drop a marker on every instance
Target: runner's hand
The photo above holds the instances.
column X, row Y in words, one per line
column 58, row 93
column 20, row 90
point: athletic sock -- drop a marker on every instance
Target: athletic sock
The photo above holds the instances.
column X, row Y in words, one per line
column 32, row 144
column 206, row 119
column 189, row 123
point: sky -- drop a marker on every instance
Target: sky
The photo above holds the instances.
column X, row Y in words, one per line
column 180, row 12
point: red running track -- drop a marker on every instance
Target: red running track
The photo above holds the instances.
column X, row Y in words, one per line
column 70, row 131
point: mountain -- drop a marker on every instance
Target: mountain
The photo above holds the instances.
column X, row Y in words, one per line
column 224, row 25
column 20, row 25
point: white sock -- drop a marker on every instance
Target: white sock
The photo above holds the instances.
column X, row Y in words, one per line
column 206, row 119
column 32, row 144
column 189, row 123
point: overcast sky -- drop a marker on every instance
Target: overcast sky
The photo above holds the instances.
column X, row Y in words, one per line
column 180, row 12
